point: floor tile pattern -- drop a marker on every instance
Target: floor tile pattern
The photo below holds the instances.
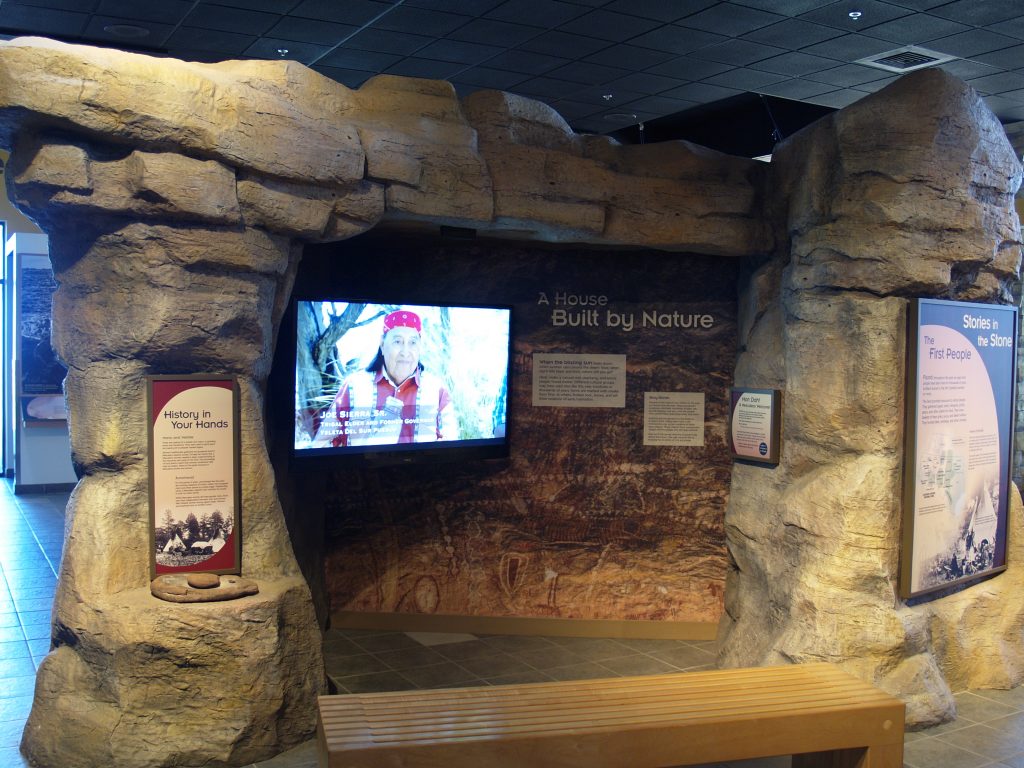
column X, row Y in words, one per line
column 988, row 733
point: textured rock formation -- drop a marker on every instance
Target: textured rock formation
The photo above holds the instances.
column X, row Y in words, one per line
column 908, row 192
column 177, row 198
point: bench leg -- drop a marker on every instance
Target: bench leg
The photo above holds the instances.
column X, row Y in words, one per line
column 886, row 756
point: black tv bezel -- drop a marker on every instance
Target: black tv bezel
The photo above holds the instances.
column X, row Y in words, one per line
column 398, row 454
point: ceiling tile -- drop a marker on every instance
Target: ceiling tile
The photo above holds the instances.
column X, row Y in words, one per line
column 427, row 68
column 737, row 52
column 793, row 34
column 794, row 64
column 972, row 42
column 629, row 55
column 96, row 29
column 847, row 75
column 268, row 47
column 210, row 40
column 744, row 79
column 785, row 7
column 359, row 61
column 537, row 13
column 202, row 57
column 547, row 88
column 918, row 5
column 659, row 105
column 876, row 85
column 356, row 12
column 849, row 47
column 164, row 12
column 458, row 51
column 660, row 10
column 527, row 62
column 311, row 31
column 493, row 32
column 675, row 39
column 599, row 95
column 837, row 99
column 616, row 27
column 796, row 89
column 485, row 77
column 351, row 78
column 1013, row 27
column 980, row 13
column 563, row 44
column 1007, row 58
column 42, row 20
column 688, row 68
column 420, row 21
column 586, row 73
column 82, row 6
column 701, row 92
column 645, row 82
column 466, row 7
column 838, row 15
column 730, row 19
column 225, row 19
column 387, row 42
column 997, row 84
column 916, row 29
column 966, row 69
column 271, row 6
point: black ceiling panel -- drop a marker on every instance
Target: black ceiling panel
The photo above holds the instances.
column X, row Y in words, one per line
column 737, row 52
column 674, row 39
column 745, row 79
column 847, row 75
column 360, row 61
column 998, row 84
column 269, row 48
column 356, row 12
column 916, row 29
column 426, row 68
column 44, row 21
column 538, row 13
column 310, row 31
column 485, row 77
column 645, row 82
column 730, row 19
column 794, row 64
column 1007, row 58
column 689, row 68
column 466, row 7
column 587, row 73
column 235, row 20
column 420, row 21
column 980, row 13
column 163, row 12
column 659, row 10
column 793, row 34
column 103, row 29
column 387, row 42
column 616, row 27
column 527, row 62
column 631, row 56
column 785, row 7
column 850, row 47
column 494, row 32
column 459, row 51
column 563, row 44
column 796, row 89
column 972, row 42
column 190, row 38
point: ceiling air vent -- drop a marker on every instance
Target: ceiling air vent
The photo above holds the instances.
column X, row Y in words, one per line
column 906, row 59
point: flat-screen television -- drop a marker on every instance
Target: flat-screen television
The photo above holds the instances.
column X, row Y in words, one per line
column 394, row 383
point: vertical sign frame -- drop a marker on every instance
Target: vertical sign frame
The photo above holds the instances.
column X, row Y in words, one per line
column 958, row 453
column 194, row 474
column 755, row 425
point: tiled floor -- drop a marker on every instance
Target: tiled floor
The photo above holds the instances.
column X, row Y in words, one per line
column 988, row 733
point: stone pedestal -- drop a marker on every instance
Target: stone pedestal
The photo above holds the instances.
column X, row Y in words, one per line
column 137, row 681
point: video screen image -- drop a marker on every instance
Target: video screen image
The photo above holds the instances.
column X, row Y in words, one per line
column 372, row 376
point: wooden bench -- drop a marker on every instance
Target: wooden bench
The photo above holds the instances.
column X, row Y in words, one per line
column 639, row 722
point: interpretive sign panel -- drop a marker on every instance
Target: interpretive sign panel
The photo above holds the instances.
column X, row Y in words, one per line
column 579, row 381
column 755, row 424
column 194, row 486
column 960, row 410
column 674, row 418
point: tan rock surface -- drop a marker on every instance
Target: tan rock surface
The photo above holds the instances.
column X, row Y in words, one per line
column 907, row 192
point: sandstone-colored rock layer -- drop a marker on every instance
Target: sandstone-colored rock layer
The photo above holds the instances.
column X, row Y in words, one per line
column 909, row 192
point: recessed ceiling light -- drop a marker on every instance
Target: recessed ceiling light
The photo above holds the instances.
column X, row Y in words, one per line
column 855, row 15
column 126, row 30
column 282, row 51
column 608, row 96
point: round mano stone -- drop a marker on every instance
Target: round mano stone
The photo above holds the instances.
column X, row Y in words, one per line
column 203, row 580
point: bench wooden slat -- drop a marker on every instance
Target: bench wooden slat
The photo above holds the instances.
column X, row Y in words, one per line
column 639, row 721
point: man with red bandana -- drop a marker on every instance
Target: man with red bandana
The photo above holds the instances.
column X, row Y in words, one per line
column 394, row 400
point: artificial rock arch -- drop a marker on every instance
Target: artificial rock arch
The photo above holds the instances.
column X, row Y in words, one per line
column 178, row 197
